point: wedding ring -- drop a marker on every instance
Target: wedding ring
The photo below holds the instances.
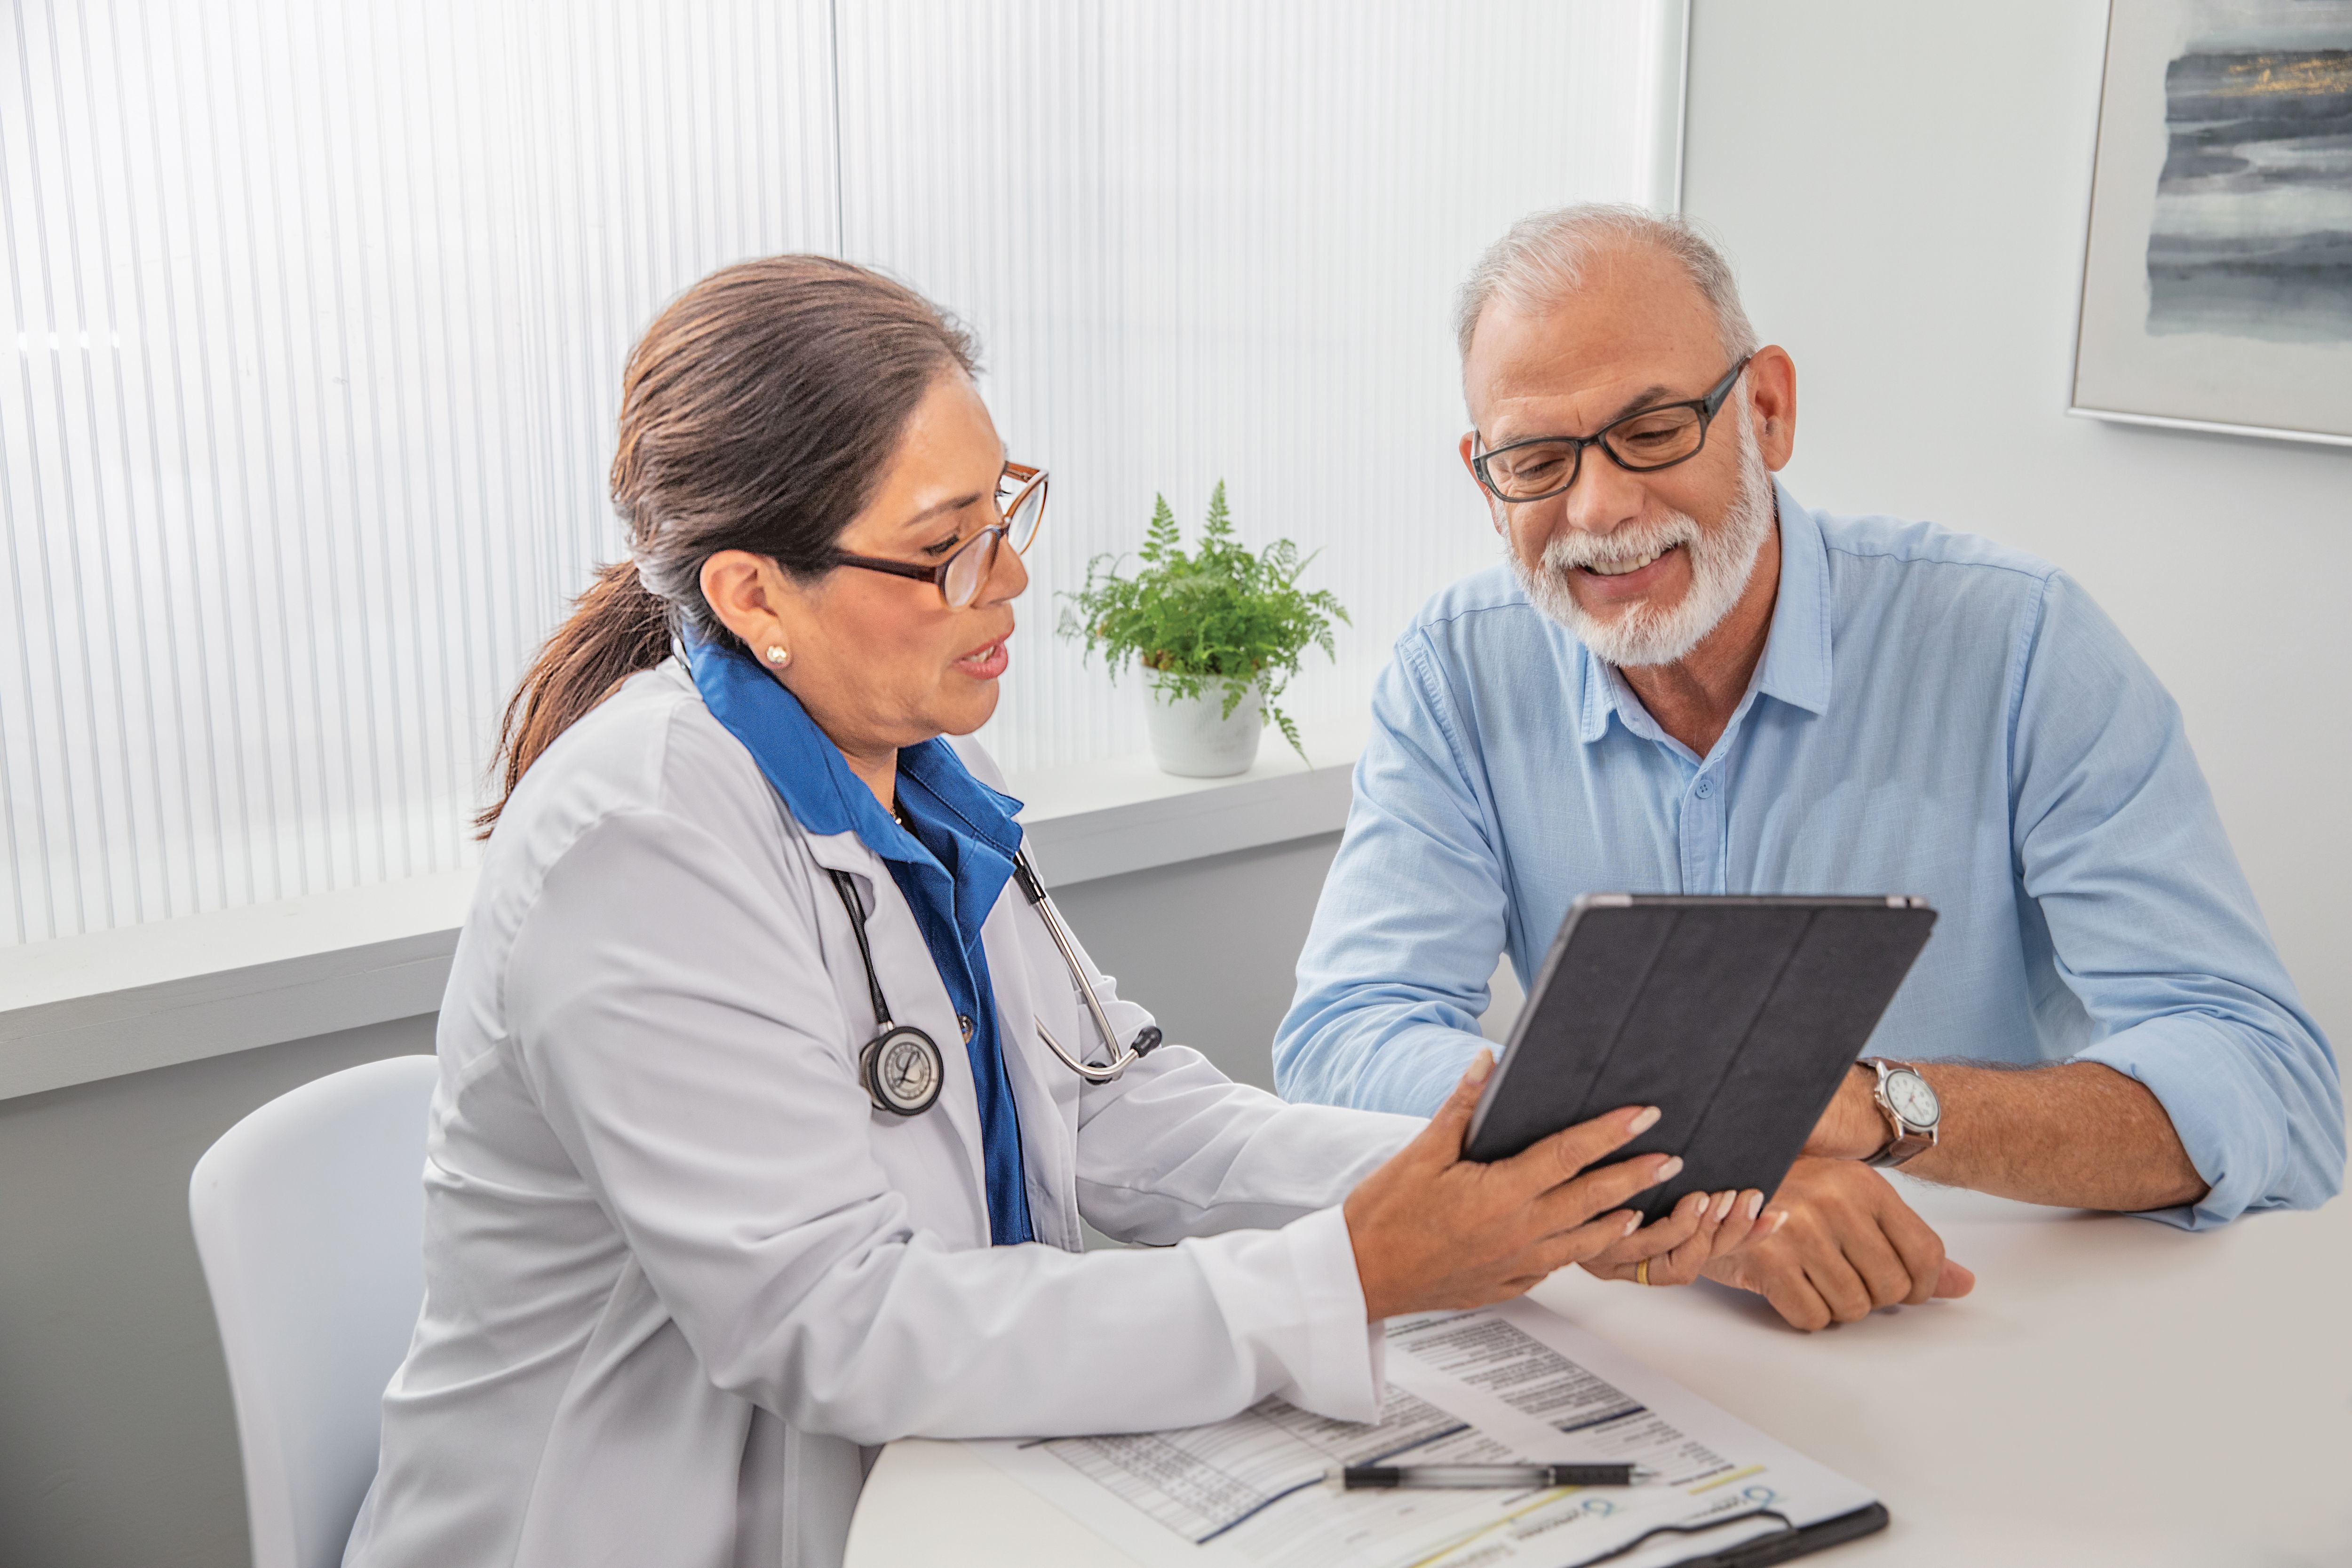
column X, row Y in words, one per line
column 1642, row 1272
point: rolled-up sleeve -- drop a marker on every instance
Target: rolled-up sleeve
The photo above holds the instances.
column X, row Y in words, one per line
column 1393, row 977
column 2152, row 925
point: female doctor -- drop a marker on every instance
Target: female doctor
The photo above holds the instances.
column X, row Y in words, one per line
column 758, row 1142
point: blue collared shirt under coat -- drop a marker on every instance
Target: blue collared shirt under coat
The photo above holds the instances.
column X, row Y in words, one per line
column 952, row 869
column 1934, row 714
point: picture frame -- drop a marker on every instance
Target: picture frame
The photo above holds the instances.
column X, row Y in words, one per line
column 2217, row 270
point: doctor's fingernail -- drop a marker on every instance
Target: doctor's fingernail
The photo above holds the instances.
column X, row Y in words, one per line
column 1723, row 1204
column 1671, row 1169
column 1645, row 1121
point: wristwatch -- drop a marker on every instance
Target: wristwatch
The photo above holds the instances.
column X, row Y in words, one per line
column 1908, row 1103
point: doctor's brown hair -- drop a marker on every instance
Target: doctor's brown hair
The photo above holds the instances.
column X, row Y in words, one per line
column 757, row 413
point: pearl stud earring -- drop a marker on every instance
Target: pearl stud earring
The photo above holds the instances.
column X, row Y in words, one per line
column 779, row 655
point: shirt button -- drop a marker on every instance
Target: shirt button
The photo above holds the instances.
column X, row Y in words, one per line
column 1706, row 786
column 963, row 1021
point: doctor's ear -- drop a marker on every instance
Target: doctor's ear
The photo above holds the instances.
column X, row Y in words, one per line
column 753, row 598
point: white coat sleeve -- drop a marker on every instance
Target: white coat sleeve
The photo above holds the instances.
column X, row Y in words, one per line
column 1173, row 1148
column 683, row 1042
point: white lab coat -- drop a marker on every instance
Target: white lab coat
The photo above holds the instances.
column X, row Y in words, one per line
column 682, row 1278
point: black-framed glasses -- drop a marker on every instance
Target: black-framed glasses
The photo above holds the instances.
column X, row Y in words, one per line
column 1643, row 442
column 960, row 578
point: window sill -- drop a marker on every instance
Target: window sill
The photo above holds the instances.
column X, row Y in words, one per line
column 1093, row 819
column 79, row 1009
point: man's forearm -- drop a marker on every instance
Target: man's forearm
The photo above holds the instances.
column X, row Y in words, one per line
column 2071, row 1134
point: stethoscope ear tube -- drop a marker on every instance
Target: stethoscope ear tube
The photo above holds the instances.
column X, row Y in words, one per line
column 1146, row 1042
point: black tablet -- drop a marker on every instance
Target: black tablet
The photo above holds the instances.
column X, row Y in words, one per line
column 1734, row 1016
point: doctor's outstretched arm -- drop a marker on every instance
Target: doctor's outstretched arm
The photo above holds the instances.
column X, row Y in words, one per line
column 691, row 1069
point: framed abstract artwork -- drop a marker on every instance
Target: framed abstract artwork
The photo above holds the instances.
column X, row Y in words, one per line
column 2217, row 278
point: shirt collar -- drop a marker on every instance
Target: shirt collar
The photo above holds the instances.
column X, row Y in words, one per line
column 1796, row 665
column 1795, row 668
column 810, row 773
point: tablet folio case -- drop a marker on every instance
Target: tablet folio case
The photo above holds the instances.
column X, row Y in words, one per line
column 1736, row 1017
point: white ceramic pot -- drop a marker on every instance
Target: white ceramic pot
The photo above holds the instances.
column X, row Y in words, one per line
column 1193, row 738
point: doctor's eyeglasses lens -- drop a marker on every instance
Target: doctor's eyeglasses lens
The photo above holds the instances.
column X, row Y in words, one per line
column 1021, row 497
column 1021, row 494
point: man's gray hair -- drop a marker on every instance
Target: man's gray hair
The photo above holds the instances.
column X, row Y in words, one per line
column 1544, row 258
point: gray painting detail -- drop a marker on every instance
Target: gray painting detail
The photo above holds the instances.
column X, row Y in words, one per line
column 2251, row 234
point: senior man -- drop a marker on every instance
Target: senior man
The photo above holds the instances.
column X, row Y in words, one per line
column 1683, row 681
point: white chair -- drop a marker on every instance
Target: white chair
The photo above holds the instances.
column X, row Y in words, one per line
column 309, row 1219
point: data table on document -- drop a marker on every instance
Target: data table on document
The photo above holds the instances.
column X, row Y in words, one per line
column 1506, row 1384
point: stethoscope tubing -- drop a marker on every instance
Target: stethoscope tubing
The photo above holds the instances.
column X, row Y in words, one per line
column 848, row 891
column 1042, row 902
column 1145, row 1042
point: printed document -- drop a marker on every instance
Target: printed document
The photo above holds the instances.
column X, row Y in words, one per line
column 1509, row 1383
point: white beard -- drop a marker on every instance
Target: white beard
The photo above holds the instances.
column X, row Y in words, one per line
column 1722, row 558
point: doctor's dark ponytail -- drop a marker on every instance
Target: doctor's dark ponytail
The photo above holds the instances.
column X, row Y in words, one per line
column 757, row 413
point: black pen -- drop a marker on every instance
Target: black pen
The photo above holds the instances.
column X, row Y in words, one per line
column 1359, row 1478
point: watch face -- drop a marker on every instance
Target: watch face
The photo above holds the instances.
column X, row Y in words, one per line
column 1912, row 1098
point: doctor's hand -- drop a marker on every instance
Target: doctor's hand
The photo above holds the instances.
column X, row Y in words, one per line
column 1703, row 1228
column 1850, row 1246
column 1431, row 1230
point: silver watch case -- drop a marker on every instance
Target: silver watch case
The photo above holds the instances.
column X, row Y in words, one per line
column 1906, row 1138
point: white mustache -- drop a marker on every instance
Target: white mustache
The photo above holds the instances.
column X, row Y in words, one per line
column 1635, row 542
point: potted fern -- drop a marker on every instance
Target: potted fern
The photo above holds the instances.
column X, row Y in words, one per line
column 1220, row 631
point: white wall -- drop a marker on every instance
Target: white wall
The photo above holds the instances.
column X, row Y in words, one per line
column 117, row 1443
column 1904, row 190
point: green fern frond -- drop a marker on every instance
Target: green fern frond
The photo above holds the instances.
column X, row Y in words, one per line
column 1160, row 540
column 1219, row 529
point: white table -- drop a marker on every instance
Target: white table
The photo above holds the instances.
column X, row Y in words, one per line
column 2115, row 1392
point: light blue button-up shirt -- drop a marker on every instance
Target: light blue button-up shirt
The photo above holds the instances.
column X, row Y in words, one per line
column 1933, row 713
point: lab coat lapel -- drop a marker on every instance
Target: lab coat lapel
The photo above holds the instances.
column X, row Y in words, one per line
column 911, row 984
column 1044, row 1093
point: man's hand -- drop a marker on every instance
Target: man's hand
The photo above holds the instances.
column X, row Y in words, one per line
column 1849, row 1246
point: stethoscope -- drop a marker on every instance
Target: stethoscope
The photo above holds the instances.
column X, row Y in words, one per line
column 901, row 1067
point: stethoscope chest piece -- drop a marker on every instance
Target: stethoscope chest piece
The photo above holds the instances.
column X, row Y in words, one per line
column 902, row 1070
column 901, row 1067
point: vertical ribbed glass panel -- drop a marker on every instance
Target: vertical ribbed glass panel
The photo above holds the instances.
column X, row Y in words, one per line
column 320, row 310
column 1207, row 239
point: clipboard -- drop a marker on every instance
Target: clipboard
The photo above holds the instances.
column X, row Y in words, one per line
column 1736, row 1015
column 1784, row 1545
column 1461, row 1387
